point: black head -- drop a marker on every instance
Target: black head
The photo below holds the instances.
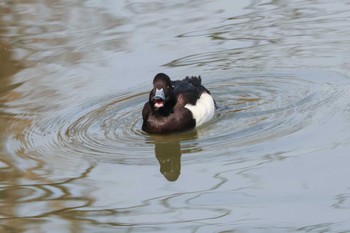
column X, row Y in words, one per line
column 162, row 97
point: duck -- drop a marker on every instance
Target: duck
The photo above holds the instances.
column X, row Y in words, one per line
column 176, row 106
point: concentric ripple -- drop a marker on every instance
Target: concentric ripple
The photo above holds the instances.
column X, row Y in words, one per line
column 107, row 128
column 253, row 109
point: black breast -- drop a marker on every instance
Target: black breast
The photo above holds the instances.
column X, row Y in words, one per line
column 180, row 120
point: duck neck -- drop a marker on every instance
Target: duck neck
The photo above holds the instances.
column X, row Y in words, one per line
column 166, row 111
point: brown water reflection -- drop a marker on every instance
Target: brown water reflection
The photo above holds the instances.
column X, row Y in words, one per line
column 27, row 196
column 75, row 75
column 168, row 152
column 169, row 158
column 9, row 173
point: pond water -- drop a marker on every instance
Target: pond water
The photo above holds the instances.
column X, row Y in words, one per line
column 74, row 76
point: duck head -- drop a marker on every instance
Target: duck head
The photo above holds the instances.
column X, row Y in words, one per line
column 162, row 97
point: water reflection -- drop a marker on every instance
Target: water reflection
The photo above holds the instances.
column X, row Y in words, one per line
column 168, row 152
column 73, row 77
column 273, row 34
column 10, row 172
column 169, row 158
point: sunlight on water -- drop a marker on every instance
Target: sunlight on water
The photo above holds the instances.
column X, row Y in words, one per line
column 73, row 81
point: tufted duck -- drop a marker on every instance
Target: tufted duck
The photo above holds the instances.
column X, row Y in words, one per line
column 176, row 106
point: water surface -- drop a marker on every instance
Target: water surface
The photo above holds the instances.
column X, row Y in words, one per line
column 73, row 80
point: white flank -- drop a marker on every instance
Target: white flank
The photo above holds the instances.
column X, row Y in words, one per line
column 204, row 109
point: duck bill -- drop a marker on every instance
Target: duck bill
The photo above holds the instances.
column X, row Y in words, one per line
column 159, row 98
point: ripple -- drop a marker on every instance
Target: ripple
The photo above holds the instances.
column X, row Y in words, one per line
column 260, row 108
column 108, row 128
column 162, row 214
column 34, row 200
column 308, row 33
column 253, row 110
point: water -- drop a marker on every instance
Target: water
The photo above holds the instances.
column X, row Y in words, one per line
column 73, row 80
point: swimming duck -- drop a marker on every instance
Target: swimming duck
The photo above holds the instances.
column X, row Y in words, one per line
column 175, row 106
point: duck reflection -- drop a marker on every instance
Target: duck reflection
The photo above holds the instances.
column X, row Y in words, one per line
column 169, row 158
column 168, row 152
